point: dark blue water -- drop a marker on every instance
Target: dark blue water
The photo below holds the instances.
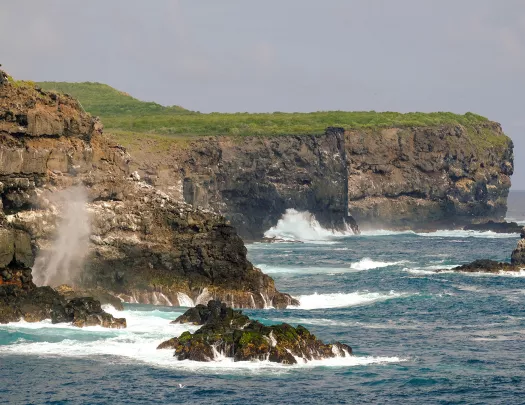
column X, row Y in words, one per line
column 419, row 337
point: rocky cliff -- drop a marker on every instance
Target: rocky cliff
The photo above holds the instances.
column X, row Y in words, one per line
column 427, row 178
column 143, row 245
column 443, row 176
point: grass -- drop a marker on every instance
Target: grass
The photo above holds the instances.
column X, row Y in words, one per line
column 105, row 101
column 125, row 115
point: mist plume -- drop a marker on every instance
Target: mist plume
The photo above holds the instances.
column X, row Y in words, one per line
column 62, row 263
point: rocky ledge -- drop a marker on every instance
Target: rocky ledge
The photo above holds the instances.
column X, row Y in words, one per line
column 517, row 262
column 227, row 332
column 21, row 299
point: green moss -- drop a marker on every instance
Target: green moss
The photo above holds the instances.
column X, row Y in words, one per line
column 185, row 337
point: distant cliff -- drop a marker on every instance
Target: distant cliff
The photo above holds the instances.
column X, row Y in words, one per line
column 401, row 178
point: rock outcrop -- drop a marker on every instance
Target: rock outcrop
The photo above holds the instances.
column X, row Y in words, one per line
column 498, row 227
column 516, row 264
column 20, row 298
column 144, row 246
column 227, row 332
column 421, row 178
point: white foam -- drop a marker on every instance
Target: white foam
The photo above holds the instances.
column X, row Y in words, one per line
column 368, row 264
column 342, row 300
column 303, row 227
column 431, row 270
column 270, row 269
column 138, row 343
column 184, row 300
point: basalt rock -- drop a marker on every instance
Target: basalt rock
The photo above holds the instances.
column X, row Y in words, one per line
column 486, row 266
column 99, row 294
column 227, row 332
column 518, row 255
column 498, row 227
column 21, row 299
column 145, row 246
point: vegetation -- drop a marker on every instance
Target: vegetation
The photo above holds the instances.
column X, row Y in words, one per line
column 105, row 101
column 125, row 115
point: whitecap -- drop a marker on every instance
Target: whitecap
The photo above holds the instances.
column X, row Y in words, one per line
column 368, row 264
column 342, row 300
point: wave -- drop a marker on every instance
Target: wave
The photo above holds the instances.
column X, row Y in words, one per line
column 138, row 343
column 342, row 300
column 369, row 264
column 302, row 226
column 270, row 269
column 445, row 233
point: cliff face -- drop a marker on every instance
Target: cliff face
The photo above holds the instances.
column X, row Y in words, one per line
column 426, row 178
column 252, row 181
column 400, row 178
column 143, row 245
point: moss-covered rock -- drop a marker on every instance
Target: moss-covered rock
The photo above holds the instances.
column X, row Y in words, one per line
column 230, row 333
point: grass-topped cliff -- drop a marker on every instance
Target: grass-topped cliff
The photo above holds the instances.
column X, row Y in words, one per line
column 122, row 113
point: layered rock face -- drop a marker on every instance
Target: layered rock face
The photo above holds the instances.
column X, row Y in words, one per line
column 427, row 178
column 253, row 180
column 229, row 333
column 143, row 246
column 401, row 178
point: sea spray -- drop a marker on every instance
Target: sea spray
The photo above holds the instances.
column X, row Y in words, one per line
column 62, row 263
column 301, row 226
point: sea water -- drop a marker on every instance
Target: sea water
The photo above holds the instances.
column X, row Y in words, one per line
column 418, row 336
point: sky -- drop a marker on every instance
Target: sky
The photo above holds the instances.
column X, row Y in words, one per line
column 284, row 55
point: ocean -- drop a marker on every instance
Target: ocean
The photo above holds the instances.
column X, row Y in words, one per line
column 418, row 336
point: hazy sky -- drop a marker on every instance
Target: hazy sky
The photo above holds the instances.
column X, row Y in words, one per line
column 284, row 55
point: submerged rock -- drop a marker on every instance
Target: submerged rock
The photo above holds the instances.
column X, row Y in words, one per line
column 227, row 332
column 485, row 266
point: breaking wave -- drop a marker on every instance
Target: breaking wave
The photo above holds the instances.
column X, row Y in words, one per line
column 138, row 343
column 302, row 226
column 369, row 264
column 342, row 300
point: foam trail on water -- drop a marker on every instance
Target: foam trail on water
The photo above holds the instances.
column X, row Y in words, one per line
column 342, row 300
column 138, row 343
column 302, row 226
column 452, row 233
column 368, row 264
column 270, row 269
column 431, row 270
